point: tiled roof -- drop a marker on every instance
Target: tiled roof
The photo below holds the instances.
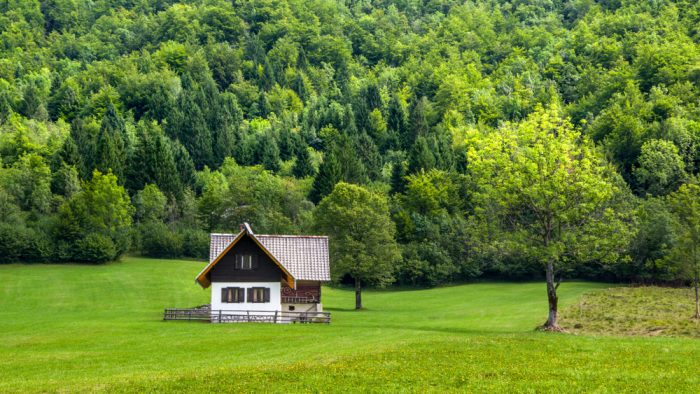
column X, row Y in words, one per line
column 305, row 257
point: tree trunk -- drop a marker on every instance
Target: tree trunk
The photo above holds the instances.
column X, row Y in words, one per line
column 358, row 294
column 551, row 324
column 697, row 301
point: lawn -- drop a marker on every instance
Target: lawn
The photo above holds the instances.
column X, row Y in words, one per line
column 90, row 328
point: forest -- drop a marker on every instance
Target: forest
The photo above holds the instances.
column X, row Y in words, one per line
column 487, row 137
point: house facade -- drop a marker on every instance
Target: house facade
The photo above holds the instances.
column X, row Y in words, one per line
column 265, row 276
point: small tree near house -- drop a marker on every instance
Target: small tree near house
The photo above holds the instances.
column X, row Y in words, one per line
column 361, row 232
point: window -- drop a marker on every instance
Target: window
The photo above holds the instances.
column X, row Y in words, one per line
column 259, row 294
column 232, row 295
column 246, row 262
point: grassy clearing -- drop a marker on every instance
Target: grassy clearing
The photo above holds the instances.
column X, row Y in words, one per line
column 92, row 328
column 650, row 311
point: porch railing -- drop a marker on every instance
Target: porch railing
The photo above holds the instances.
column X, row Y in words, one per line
column 226, row 316
column 299, row 300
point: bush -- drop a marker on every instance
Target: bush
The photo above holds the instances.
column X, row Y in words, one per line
column 94, row 248
column 21, row 243
column 157, row 240
column 195, row 243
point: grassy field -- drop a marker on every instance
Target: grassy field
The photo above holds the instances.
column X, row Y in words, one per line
column 650, row 311
column 91, row 328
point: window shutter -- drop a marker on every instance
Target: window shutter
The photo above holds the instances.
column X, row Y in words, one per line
column 250, row 295
column 267, row 294
column 241, row 295
column 255, row 261
column 224, row 292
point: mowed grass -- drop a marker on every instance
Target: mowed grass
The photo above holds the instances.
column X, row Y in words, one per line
column 72, row 328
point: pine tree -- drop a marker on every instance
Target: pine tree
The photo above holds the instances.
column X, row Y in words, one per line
column 421, row 157
column 190, row 127
column 329, row 174
column 397, row 118
column 418, row 122
column 369, row 156
column 184, row 164
column 269, row 153
column 398, row 177
column 111, row 150
column 224, row 127
column 303, row 166
column 352, row 168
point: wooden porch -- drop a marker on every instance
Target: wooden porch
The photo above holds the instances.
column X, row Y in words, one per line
column 220, row 316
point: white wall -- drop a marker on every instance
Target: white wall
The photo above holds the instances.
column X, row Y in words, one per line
column 273, row 305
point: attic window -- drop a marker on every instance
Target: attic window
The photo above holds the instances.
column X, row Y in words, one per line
column 246, row 262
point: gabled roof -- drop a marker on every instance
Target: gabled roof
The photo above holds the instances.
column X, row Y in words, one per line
column 301, row 257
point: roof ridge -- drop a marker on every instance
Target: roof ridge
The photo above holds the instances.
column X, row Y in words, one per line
column 291, row 236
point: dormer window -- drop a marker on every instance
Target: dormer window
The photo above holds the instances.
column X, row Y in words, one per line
column 246, row 262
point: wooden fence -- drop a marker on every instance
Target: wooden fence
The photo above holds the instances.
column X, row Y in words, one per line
column 219, row 316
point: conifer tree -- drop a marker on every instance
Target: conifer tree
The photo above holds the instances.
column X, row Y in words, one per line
column 421, row 156
column 111, row 149
column 303, row 167
column 329, row 173
column 398, row 177
column 269, row 153
column 190, row 127
column 397, row 118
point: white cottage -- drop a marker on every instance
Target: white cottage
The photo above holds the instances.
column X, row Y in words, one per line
column 272, row 278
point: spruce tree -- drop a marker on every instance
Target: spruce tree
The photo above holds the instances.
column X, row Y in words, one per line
column 184, row 164
column 190, row 127
column 303, row 166
column 397, row 118
column 418, row 122
column 398, row 177
column 329, row 173
column 421, row 157
column 111, row 149
column 369, row 156
column 269, row 153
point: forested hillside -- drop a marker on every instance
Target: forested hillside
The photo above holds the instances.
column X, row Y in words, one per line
column 139, row 126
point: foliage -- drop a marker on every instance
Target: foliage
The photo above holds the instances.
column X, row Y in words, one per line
column 361, row 235
column 552, row 191
column 171, row 93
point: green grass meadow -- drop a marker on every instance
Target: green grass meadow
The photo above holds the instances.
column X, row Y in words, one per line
column 71, row 328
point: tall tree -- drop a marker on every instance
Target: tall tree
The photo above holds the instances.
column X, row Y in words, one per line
column 303, row 166
column 111, row 149
column 329, row 173
column 362, row 243
column 685, row 203
column 550, row 190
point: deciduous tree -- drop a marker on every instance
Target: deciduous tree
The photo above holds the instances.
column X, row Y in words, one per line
column 362, row 243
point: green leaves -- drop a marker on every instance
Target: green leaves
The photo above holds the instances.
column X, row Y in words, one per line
column 361, row 233
column 544, row 184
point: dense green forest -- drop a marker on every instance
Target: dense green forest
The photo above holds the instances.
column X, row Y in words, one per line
column 139, row 126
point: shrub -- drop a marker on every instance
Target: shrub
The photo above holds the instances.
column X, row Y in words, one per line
column 195, row 243
column 94, row 248
column 157, row 240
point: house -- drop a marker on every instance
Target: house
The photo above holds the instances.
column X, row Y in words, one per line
column 273, row 278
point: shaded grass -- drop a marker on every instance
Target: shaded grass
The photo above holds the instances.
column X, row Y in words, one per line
column 649, row 311
column 92, row 328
